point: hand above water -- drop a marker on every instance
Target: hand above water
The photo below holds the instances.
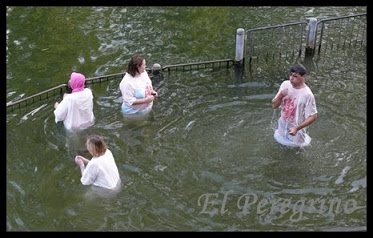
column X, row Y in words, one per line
column 79, row 161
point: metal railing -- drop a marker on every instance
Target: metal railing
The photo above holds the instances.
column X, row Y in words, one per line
column 200, row 65
column 57, row 90
column 338, row 33
column 279, row 42
column 39, row 96
column 289, row 41
column 62, row 88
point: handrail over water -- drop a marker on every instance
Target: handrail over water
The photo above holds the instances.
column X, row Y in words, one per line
column 47, row 92
column 338, row 18
column 104, row 78
column 276, row 26
column 60, row 89
column 190, row 65
column 197, row 65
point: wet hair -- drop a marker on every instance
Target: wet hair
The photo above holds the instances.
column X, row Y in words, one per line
column 134, row 64
column 96, row 145
column 299, row 69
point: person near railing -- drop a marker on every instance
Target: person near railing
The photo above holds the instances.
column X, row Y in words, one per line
column 136, row 88
column 298, row 109
column 101, row 170
column 76, row 108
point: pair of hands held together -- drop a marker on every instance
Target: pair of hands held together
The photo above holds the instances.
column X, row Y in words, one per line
column 151, row 97
column 81, row 161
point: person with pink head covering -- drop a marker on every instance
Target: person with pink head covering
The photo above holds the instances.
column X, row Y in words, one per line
column 77, row 82
column 76, row 108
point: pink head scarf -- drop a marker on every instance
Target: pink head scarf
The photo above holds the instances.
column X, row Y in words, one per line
column 77, row 82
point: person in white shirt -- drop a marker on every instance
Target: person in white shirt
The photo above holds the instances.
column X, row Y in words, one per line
column 101, row 170
column 136, row 88
column 298, row 109
column 76, row 108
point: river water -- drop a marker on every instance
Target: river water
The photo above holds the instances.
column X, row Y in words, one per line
column 205, row 159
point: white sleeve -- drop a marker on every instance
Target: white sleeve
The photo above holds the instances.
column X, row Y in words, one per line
column 89, row 174
column 128, row 93
column 284, row 84
column 310, row 108
column 60, row 112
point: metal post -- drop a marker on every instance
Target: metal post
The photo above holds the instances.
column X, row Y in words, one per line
column 240, row 55
column 311, row 37
column 156, row 69
column 240, row 45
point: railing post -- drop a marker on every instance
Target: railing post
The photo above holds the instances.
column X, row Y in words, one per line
column 311, row 37
column 156, row 69
column 240, row 46
column 157, row 77
column 239, row 65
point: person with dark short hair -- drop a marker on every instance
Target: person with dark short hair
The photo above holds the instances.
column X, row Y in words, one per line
column 298, row 109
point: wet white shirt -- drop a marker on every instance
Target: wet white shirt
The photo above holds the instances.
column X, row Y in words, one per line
column 133, row 88
column 297, row 106
column 101, row 171
column 76, row 110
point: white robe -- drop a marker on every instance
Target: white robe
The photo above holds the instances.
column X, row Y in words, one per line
column 76, row 110
column 101, row 171
column 297, row 106
column 133, row 88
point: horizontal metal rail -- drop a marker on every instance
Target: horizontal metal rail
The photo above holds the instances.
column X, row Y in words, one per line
column 60, row 89
column 198, row 65
column 104, row 78
column 276, row 26
column 338, row 18
column 42, row 95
